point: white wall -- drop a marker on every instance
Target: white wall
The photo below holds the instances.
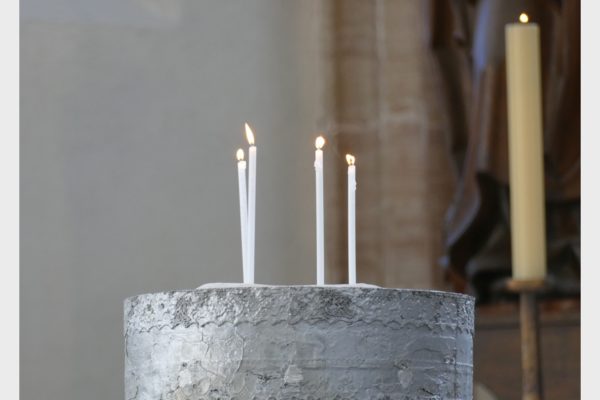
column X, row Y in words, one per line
column 131, row 112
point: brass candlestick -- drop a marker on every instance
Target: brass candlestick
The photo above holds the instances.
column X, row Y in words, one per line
column 530, row 343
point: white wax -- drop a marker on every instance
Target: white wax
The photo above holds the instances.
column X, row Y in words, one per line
column 320, row 217
column 352, row 224
column 251, row 211
column 243, row 217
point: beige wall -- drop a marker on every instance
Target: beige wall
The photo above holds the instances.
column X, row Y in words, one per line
column 131, row 112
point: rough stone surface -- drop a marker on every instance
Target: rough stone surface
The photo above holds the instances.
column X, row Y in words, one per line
column 298, row 342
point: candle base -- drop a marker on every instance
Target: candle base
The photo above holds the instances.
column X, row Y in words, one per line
column 526, row 285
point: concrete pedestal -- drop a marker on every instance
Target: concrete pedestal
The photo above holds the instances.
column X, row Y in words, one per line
column 298, row 342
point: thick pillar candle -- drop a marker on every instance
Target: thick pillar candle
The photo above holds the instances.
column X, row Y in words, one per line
column 243, row 213
column 351, row 219
column 251, row 202
column 319, row 143
column 525, row 150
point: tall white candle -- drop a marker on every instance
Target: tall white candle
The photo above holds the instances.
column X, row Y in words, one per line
column 251, row 202
column 319, row 143
column 243, row 211
column 524, row 91
column 351, row 219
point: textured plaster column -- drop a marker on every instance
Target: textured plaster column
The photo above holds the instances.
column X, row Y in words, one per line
column 298, row 342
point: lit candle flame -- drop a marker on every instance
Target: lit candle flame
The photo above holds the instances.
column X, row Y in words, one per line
column 523, row 18
column 320, row 142
column 249, row 134
column 350, row 159
column 240, row 155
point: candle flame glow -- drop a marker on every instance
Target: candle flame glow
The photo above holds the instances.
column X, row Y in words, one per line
column 523, row 18
column 320, row 142
column 240, row 155
column 350, row 159
column 249, row 134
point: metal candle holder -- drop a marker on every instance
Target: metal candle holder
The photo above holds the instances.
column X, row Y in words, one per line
column 530, row 334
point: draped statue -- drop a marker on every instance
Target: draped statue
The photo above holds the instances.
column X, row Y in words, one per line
column 467, row 39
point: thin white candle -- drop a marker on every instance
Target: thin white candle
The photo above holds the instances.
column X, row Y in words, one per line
column 351, row 219
column 243, row 211
column 251, row 202
column 319, row 143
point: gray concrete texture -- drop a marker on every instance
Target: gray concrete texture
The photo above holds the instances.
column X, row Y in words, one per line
column 131, row 113
column 299, row 342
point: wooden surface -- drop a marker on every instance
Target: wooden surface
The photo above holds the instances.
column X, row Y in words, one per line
column 497, row 362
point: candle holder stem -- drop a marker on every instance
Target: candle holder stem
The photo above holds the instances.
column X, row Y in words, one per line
column 530, row 336
column 530, row 346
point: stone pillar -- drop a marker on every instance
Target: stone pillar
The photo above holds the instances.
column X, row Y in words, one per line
column 387, row 113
